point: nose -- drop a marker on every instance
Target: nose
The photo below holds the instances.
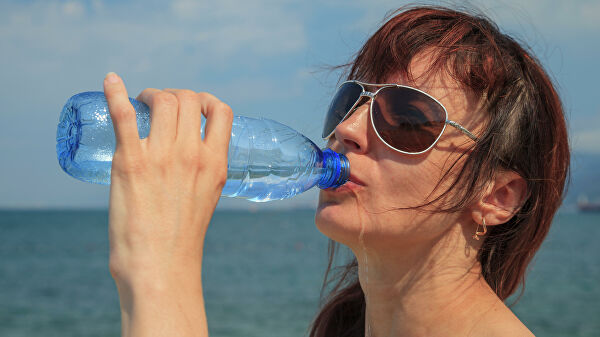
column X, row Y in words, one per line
column 352, row 132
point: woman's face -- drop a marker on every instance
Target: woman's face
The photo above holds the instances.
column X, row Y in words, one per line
column 383, row 180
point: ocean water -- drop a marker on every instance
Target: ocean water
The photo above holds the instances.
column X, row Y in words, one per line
column 262, row 275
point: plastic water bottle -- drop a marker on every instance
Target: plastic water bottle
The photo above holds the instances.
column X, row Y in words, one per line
column 266, row 160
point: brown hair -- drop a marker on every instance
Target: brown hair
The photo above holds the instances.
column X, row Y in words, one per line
column 525, row 132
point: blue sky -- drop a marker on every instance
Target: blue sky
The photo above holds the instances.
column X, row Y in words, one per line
column 264, row 58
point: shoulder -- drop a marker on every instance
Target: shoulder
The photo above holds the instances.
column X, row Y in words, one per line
column 502, row 322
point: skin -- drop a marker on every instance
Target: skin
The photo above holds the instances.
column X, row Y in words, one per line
column 164, row 189
column 418, row 270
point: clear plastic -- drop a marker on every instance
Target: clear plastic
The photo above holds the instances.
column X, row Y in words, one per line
column 267, row 160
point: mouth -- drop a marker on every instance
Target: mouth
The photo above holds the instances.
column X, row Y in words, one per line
column 353, row 185
column 354, row 179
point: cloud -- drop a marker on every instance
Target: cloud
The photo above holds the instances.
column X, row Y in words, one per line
column 552, row 18
column 73, row 8
column 587, row 141
column 179, row 42
column 262, row 27
column 566, row 18
column 52, row 49
column 258, row 56
column 225, row 25
column 211, row 33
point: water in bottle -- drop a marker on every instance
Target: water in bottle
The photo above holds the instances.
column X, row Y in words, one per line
column 266, row 160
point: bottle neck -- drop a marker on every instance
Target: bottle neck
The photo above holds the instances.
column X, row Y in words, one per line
column 336, row 169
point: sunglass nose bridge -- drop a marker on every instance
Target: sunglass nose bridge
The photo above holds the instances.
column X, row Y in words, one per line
column 367, row 94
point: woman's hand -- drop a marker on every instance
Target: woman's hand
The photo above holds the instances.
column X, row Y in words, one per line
column 163, row 192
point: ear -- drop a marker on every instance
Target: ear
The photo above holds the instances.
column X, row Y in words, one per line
column 502, row 199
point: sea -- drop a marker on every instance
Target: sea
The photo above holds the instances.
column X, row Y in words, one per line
column 262, row 274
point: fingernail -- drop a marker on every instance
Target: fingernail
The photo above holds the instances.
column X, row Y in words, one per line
column 111, row 77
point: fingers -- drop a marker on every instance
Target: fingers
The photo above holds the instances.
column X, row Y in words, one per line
column 164, row 114
column 176, row 116
column 188, row 107
column 121, row 112
column 189, row 122
column 219, row 118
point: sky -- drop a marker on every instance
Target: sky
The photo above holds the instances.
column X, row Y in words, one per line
column 265, row 58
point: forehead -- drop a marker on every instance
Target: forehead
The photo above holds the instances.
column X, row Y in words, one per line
column 460, row 103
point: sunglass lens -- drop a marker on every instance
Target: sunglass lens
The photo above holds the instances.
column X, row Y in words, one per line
column 342, row 102
column 407, row 119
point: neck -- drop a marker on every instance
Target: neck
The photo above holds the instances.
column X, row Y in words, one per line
column 423, row 290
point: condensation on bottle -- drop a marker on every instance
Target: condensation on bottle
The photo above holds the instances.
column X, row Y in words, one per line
column 266, row 160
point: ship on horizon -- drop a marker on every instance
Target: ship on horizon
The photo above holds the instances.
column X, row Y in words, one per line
column 584, row 205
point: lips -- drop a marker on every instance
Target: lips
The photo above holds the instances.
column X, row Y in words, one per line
column 353, row 185
column 353, row 181
column 356, row 180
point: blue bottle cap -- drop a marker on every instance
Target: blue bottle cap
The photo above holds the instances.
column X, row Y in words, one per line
column 337, row 169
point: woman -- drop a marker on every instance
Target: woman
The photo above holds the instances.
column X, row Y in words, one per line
column 442, row 221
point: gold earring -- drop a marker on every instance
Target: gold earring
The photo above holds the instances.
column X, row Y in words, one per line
column 477, row 232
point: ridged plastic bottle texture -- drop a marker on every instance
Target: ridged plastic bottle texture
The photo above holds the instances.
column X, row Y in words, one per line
column 266, row 160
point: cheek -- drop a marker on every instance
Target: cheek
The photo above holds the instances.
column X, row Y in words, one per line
column 407, row 186
column 413, row 183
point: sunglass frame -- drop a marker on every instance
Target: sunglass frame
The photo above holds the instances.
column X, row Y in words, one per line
column 372, row 95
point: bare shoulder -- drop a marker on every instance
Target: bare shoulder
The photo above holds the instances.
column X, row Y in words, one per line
column 502, row 322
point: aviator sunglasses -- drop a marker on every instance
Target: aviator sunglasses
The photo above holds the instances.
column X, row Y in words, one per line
column 406, row 119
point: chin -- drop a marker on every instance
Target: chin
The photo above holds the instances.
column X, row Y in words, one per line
column 338, row 220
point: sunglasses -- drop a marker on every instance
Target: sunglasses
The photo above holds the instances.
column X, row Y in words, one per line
column 406, row 119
